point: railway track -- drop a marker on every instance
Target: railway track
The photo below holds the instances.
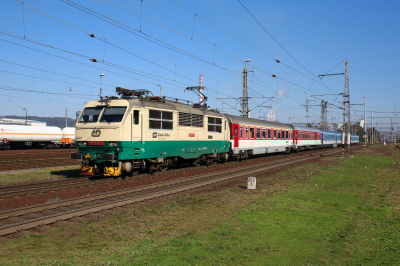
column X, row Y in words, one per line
column 34, row 188
column 13, row 221
column 17, row 160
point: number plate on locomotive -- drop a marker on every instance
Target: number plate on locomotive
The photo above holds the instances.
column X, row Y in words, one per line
column 97, row 143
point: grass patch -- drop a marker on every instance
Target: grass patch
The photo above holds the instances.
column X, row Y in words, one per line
column 39, row 175
column 346, row 213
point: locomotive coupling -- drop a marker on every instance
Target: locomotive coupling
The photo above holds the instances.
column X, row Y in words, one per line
column 112, row 171
column 87, row 170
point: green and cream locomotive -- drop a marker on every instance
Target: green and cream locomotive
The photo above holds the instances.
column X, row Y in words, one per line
column 116, row 136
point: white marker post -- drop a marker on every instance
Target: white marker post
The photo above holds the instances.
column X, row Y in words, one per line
column 251, row 182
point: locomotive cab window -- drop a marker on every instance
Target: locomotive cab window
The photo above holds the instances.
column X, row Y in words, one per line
column 160, row 120
column 113, row 114
column 90, row 115
column 214, row 124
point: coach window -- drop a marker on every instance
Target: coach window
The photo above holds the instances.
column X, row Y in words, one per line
column 247, row 132
column 258, row 133
column 264, row 134
column 269, row 133
column 279, row 134
column 275, row 134
column 160, row 120
column 241, row 132
column 252, row 132
column 236, row 132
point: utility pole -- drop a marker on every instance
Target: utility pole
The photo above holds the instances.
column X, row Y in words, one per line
column 372, row 128
column 201, row 90
column 245, row 93
column 322, row 114
column 66, row 107
column 307, row 101
column 395, row 133
column 346, row 102
column 391, row 126
column 101, row 98
column 161, row 90
column 365, row 124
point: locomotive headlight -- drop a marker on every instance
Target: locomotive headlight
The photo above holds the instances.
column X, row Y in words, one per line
column 82, row 143
column 115, row 144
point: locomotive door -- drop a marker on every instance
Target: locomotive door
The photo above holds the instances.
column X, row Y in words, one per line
column 136, row 126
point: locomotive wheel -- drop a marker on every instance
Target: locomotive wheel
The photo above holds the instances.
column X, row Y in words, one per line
column 163, row 168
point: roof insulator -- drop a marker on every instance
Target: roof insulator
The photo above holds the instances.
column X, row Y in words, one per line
column 277, row 61
column 274, row 75
column 91, row 35
column 93, row 60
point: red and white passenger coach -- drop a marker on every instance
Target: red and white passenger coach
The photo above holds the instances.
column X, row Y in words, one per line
column 252, row 136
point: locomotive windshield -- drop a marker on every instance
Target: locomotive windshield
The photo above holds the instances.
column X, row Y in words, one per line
column 90, row 114
column 113, row 114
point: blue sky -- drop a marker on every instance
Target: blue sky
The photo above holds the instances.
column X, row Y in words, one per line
column 44, row 52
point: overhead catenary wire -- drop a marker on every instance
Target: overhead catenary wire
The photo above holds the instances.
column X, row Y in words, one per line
column 93, row 34
column 253, row 47
column 121, row 66
column 71, row 24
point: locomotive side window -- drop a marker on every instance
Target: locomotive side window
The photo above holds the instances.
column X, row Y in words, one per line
column 90, row 114
column 264, row 135
column 136, row 117
column 252, row 132
column 269, row 133
column 241, row 132
column 160, row 120
column 258, row 133
column 113, row 114
column 214, row 124
column 191, row 120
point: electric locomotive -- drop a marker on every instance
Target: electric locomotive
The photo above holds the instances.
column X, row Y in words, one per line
column 135, row 132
